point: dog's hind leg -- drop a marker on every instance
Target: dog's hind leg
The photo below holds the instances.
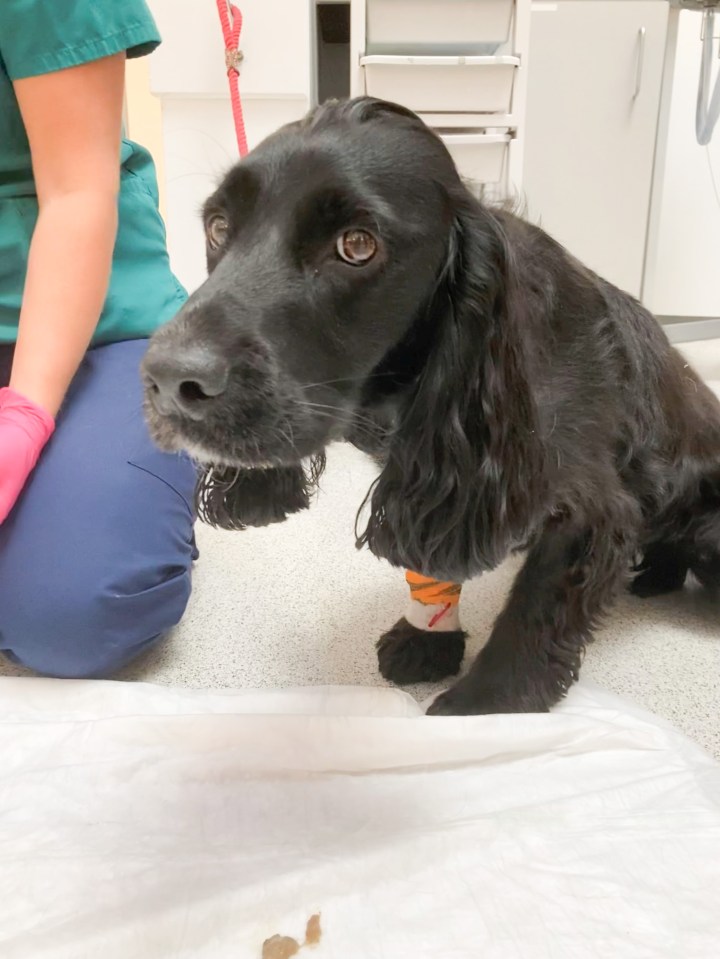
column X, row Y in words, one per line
column 663, row 569
column 705, row 560
column 536, row 646
column 691, row 541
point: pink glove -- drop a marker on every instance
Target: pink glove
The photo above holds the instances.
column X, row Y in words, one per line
column 24, row 430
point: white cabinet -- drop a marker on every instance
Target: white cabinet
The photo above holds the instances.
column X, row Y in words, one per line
column 594, row 83
column 682, row 273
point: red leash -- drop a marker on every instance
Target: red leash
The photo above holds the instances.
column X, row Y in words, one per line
column 231, row 20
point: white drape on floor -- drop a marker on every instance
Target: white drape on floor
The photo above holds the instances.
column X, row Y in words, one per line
column 143, row 822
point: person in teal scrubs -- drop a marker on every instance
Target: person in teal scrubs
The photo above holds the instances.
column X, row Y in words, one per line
column 96, row 525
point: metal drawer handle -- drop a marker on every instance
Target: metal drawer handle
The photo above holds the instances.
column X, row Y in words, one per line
column 640, row 60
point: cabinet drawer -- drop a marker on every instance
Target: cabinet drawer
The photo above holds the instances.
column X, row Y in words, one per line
column 442, row 84
column 479, row 157
column 437, row 26
column 275, row 41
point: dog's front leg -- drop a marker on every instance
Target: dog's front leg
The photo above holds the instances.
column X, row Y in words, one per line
column 428, row 643
column 536, row 646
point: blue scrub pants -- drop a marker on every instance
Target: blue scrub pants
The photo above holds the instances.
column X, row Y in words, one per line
column 96, row 556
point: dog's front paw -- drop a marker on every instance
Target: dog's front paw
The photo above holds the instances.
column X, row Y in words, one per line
column 468, row 697
column 407, row 654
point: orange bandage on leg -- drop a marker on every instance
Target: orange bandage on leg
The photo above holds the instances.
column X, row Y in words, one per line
column 433, row 604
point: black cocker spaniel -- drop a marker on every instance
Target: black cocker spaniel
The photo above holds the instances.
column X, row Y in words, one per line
column 513, row 398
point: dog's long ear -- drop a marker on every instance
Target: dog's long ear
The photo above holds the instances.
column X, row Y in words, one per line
column 465, row 463
column 230, row 498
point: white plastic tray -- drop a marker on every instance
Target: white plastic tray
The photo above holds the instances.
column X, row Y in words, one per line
column 437, row 26
column 479, row 157
column 440, row 84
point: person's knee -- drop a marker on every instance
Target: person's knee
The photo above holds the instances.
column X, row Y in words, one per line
column 79, row 630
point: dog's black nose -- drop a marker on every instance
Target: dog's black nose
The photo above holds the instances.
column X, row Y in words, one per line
column 185, row 379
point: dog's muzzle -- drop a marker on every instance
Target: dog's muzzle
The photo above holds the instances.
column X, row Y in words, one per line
column 188, row 381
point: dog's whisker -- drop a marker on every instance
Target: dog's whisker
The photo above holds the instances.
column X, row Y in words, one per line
column 358, row 426
column 353, row 416
column 345, row 379
column 287, row 435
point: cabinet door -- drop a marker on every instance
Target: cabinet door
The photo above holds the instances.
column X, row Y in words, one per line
column 682, row 271
column 594, row 83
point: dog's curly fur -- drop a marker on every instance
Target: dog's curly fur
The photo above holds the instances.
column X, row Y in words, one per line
column 514, row 399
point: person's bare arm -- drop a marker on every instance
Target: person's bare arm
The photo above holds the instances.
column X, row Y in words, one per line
column 73, row 120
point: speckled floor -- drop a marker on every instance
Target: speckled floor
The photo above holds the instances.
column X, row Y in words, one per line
column 296, row 604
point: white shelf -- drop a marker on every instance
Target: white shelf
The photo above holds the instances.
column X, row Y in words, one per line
column 479, row 157
column 437, row 26
column 439, row 83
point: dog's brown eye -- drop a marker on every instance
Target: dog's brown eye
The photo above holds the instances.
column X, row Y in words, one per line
column 216, row 229
column 357, row 247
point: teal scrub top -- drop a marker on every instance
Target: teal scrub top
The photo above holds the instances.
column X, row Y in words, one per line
column 42, row 36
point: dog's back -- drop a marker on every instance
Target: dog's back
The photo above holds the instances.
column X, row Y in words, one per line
column 605, row 374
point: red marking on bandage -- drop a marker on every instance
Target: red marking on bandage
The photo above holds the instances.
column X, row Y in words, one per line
column 439, row 615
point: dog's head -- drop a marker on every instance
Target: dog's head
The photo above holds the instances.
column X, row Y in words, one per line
column 322, row 246
column 334, row 250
